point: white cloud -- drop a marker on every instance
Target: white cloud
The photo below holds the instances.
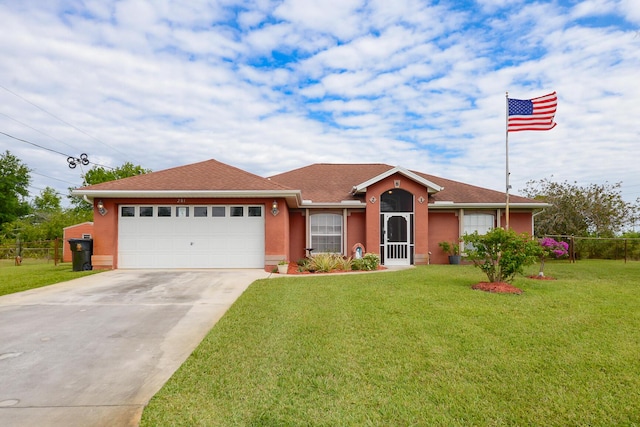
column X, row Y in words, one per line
column 169, row 83
column 593, row 8
column 335, row 17
column 135, row 14
column 630, row 11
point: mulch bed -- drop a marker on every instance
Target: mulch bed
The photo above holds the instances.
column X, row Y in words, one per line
column 497, row 287
column 293, row 269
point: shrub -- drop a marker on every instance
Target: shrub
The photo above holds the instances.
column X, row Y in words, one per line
column 501, row 254
column 345, row 264
column 450, row 248
column 304, row 264
column 367, row 263
column 324, row 263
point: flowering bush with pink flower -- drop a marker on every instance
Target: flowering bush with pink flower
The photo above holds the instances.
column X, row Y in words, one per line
column 551, row 247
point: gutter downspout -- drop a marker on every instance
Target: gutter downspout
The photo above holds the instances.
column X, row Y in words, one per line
column 533, row 220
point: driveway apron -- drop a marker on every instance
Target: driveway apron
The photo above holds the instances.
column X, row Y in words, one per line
column 93, row 351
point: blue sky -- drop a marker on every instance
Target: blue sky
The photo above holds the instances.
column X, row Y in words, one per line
column 268, row 86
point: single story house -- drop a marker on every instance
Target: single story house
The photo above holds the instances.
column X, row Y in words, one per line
column 213, row 215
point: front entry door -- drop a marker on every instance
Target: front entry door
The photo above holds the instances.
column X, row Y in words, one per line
column 396, row 235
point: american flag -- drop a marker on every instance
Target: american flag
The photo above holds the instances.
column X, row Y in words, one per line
column 532, row 114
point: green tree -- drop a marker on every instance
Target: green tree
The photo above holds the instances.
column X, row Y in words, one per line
column 14, row 188
column 41, row 225
column 99, row 174
column 47, row 201
column 592, row 210
column 501, row 254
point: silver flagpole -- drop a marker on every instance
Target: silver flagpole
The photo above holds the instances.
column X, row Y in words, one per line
column 507, row 163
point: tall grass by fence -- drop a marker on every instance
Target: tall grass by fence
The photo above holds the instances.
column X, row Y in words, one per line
column 615, row 248
column 44, row 250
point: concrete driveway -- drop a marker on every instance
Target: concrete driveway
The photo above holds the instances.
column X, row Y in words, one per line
column 93, row 351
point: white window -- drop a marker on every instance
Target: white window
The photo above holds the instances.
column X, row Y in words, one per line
column 482, row 223
column 326, row 233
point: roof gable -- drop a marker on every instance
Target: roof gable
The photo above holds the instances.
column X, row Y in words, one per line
column 431, row 187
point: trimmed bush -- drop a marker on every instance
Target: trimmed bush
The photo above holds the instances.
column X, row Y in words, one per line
column 501, row 254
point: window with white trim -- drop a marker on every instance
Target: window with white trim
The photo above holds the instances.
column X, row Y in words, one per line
column 146, row 211
column 326, row 233
column 127, row 211
column 218, row 211
column 480, row 222
column 255, row 211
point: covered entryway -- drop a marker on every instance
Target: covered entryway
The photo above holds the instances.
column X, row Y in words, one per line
column 191, row 236
column 396, row 227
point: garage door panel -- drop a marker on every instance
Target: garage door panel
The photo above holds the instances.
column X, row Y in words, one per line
column 191, row 242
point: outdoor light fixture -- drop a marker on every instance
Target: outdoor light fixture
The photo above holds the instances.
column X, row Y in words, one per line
column 274, row 208
column 101, row 209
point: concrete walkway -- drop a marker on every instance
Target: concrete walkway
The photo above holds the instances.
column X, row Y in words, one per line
column 93, row 351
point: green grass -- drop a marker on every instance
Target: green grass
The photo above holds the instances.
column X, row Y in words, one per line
column 34, row 274
column 418, row 347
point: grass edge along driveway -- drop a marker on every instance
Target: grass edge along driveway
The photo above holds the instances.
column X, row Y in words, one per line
column 418, row 347
column 35, row 274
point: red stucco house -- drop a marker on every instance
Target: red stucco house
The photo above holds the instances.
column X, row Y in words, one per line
column 213, row 215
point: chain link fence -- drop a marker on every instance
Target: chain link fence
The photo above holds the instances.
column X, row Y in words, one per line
column 618, row 248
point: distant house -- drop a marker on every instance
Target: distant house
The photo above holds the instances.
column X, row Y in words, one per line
column 213, row 215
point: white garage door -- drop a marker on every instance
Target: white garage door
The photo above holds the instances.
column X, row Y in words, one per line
column 194, row 236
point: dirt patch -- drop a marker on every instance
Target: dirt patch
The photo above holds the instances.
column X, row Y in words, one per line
column 536, row 277
column 497, row 287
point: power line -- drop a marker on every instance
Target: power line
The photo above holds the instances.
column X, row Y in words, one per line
column 50, row 177
column 37, row 130
column 34, row 144
column 71, row 160
column 63, row 121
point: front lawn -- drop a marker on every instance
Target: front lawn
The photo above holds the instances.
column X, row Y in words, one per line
column 418, row 347
column 34, row 274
